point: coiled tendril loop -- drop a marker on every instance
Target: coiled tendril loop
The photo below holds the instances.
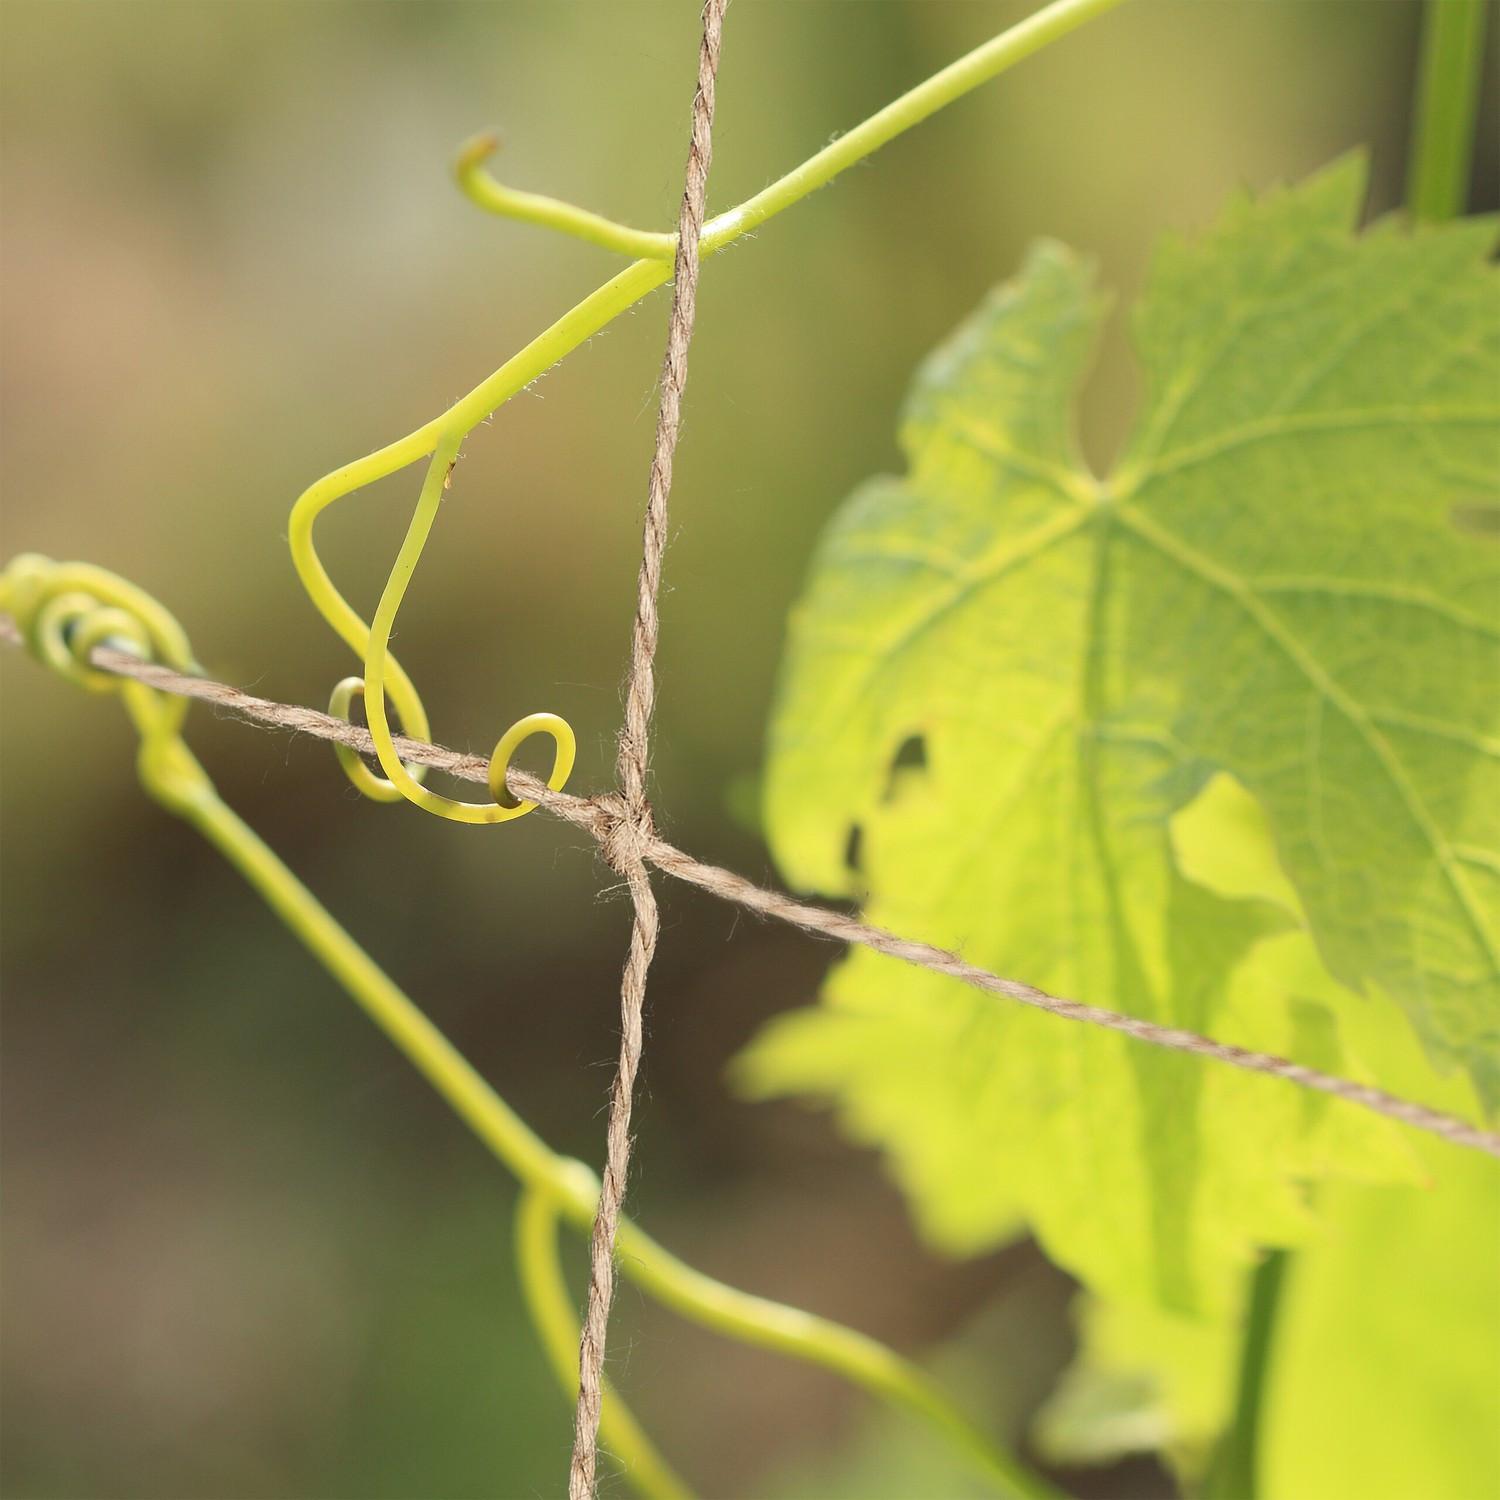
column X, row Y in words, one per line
column 401, row 782
column 64, row 611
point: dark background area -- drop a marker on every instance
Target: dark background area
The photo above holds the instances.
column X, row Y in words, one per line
column 247, row 1252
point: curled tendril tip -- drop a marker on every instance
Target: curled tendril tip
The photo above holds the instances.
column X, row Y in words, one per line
column 481, row 187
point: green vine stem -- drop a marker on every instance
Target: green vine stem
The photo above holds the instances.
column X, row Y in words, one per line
column 63, row 611
column 1442, row 149
column 1234, row 1472
column 480, row 187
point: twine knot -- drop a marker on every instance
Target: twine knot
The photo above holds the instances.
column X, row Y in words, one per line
column 624, row 836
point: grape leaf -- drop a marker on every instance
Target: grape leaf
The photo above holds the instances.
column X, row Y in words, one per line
column 1008, row 676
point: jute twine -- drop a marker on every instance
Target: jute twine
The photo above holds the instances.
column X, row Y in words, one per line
column 606, row 819
column 630, row 830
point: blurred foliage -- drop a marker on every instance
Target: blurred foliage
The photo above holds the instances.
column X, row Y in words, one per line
column 245, row 1253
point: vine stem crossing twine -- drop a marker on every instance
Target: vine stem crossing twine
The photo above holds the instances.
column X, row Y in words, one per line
column 625, row 845
column 603, row 817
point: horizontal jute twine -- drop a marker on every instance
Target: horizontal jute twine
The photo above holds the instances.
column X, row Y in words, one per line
column 605, row 819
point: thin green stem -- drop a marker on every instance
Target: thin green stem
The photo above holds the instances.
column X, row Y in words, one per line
column 957, row 79
column 551, row 1307
column 985, row 62
column 1442, row 150
column 804, row 1335
column 582, row 322
column 391, row 1009
column 1234, row 1473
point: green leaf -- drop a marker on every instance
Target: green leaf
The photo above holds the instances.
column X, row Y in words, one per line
column 1269, row 589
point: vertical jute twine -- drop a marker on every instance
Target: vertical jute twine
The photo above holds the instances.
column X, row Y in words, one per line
column 625, row 849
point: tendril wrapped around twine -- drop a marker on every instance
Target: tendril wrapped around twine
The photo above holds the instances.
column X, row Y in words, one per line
column 65, row 613
column 401, row 783
column 605, row 819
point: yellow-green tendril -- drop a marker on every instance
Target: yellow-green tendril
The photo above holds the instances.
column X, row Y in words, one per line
column 480, row 187
column 502, row 806
column 551, row 1306
column 65, row 609
column 383, row 675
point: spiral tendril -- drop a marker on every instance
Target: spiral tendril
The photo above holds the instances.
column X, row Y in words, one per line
column 400, row 782
column 65, row 610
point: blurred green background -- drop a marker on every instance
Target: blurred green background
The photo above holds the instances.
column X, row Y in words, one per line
column 246, row 1253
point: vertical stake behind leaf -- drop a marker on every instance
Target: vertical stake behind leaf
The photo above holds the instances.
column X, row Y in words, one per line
column 1442, row 142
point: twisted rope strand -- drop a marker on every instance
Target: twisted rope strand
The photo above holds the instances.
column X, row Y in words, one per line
column 624, row 847
column 604, row 818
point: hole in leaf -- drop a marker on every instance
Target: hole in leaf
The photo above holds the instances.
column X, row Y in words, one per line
column 910, row 757
column 912, row 754
column 854, row 849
